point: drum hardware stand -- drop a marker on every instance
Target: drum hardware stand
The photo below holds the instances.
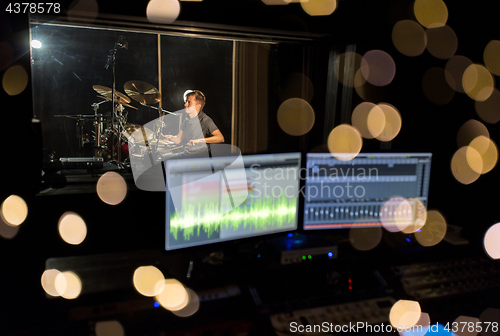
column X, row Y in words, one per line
column 81, row 119
column 98, row 129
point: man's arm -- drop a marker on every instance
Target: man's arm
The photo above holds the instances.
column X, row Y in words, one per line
column 216, row 137
column 175, row 138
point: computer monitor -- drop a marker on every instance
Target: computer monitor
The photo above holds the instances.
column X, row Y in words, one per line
column 365, row 191
column 217, row 199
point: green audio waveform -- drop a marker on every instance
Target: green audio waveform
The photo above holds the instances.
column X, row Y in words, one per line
column 261, row 213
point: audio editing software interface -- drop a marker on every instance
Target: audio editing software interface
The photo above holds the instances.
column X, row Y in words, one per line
column 365, row 191
column 217, row 199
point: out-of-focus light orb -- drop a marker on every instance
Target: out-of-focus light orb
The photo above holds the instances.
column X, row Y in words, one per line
column 192, row 306
column 72, row 228
column 350, row 62
column 460, row 167
column 442, row 42
column 365, row 239
column 492, row 241
column 14, row 210
column 490, row 317
column 489, row 110
column 367, row 91
column 6, row 55
column 8, row 231
column 405, row 313
column 435, row 87
column 148, row 280
column 345, row 142
column 319, row 7
column 409, row 38
column 478, row 82
column 474, row 159
column 295, row 116
column 469, row 131
column 378, row 67
column 48, row 282
column 109, row 328
column 15, row 80
column 454, row 71
column 393, row 122
column 488, row 151
column 36, row 44
column 434, row 230
column 396, row 214
column 174, row 295
column 421, row 327
column 163, row 11
column 87, row 9
column 419, row 213
column 369, row 120
column 297, row 85
column 68, row 285
column 462, row 321
column 431, row 13
column 111, row 188
column 491, row 57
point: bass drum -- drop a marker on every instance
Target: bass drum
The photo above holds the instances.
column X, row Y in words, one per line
column 111, row 144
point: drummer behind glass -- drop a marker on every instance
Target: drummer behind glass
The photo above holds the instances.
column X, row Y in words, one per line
column 197, row 130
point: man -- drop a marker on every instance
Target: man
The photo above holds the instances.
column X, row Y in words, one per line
column 198, row 130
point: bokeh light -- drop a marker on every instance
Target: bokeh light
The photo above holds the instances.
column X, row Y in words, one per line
column 442, row 42
column 369, row 120
column 491, row 317
column 297, row 85
column 109, row 328
column 491, row 241
column 378, row 67
column 405, row 313
column 466, row 321
column 489, row 110
column 148, row 280
column 460, row 167
column 421, row 327
column 487, row 151
column 174, row 295
column 295, row 116
column 111, row 188
column 48, row 282
column 434, row 230
column 474, row 159
column 454, row 71
column 409, row 38
column 365, row 239
column 87, row 9
column 469, row 131
column 6, row 55
column 435, row 86
column 367, row 91
column 72, row 228
column 478, row 82
column 349, row 61
column 345, row 142
column 393, row 122
column 319, row 7
column 491, row 57
column 192, row 306
column 163, row 11
column 36, row 44
column 14, row 210
column 396, row 214
column 431, row 13
column 15, row 80
column 419, row 216
column 68, row 285
column 8, row 231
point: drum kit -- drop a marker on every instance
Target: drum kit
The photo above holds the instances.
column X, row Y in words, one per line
column 113, row 134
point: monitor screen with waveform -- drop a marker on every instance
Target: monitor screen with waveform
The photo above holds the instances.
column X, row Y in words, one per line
column 373, row 189
column 217, row 199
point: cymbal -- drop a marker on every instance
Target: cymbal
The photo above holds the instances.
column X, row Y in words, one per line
column 142, row 92
column 108, row 93
column 120, row 101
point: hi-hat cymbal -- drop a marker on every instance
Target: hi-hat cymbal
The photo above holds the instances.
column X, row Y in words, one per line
column 142, row 92
column 108, row 94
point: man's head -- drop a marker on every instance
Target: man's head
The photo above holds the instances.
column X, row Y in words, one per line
column 194, row 102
